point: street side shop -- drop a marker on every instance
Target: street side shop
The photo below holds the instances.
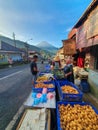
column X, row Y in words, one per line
column 87, row 40
column 85, row 34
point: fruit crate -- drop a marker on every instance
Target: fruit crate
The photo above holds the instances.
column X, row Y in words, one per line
column 39, row 90
column 72, row 104
column 66, row 96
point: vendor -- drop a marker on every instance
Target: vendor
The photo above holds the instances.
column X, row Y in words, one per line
column 57, row 63
column 68, row 70
column 34, row 69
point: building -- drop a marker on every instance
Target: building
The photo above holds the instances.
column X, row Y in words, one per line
column 9, row 52
column 85, row 33
column 18, row 48
column 69, row 47
column 60, row 53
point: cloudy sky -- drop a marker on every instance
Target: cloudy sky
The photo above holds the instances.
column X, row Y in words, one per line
column 41, row 20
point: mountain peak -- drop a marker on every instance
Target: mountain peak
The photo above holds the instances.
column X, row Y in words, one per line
column 47, row 46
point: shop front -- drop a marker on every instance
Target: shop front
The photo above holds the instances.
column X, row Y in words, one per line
column 87, row 40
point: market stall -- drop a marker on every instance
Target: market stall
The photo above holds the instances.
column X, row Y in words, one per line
column 56, row 103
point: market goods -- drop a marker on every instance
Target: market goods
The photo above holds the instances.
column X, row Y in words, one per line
column 34, row 120
column 34, row 95
column 83, row 72
column 42, row 85
column 59, row 74
column 39, row 95
column 43, row 98
column 69, row 89
column 42, row 79
column 50, row 95
column 78, row 117
column 36, row 101
column 44, row 90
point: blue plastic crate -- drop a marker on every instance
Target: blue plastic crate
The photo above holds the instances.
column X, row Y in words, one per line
column 56, row 82
column 43, row 73
column 47, row 68
column 69, row 97
column 84, row 86
column 39, row 90
column 71, row 103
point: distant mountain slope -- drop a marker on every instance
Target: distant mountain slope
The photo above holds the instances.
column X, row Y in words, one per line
column 19, row 44
column 47, row 46
column 22, row 46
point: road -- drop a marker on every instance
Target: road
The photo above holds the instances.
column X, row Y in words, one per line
column 15, row 87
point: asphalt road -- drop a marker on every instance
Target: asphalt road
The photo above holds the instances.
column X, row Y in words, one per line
column 15, row 87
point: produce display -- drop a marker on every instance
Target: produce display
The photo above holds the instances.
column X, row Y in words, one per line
column 58, row 73
column 42, row 97
column 78, row 117
column 42, row 79
column 69, row 89
column 83, row 72
column 34, row 120
column 42, row 85
column 74, row 116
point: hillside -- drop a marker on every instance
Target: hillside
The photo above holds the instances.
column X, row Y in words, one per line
column 19, row 44
column 22, row 45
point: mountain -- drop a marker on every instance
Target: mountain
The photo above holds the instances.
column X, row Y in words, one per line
column 22, row 46
column 19, row 44
column 47, row 46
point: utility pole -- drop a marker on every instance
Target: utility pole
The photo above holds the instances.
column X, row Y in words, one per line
column 14, row 39
column 27, row 48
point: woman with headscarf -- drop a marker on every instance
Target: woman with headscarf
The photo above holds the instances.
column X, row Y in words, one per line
column 68, row 70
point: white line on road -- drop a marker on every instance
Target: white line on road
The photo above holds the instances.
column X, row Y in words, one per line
column 10, row 75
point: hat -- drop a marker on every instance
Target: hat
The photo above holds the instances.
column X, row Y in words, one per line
column 57, row 58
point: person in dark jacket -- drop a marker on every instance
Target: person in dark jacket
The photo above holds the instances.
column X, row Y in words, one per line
column 68, row 70
column 34, row 69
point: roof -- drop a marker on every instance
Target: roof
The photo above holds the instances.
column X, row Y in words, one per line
column 14, row 52
column 92, row 5
column 7, row 47
column 72, row 33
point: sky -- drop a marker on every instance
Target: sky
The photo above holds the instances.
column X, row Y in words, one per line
column 40, row 20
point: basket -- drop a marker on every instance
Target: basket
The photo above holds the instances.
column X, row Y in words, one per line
column 39, row 90
column 69, row 97
column 71, row 103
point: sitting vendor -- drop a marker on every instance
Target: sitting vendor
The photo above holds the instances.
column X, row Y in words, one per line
column 68, row 70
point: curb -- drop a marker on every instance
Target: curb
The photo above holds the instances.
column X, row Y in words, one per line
column 15, row 118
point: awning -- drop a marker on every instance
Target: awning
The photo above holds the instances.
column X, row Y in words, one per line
column 69, row 46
